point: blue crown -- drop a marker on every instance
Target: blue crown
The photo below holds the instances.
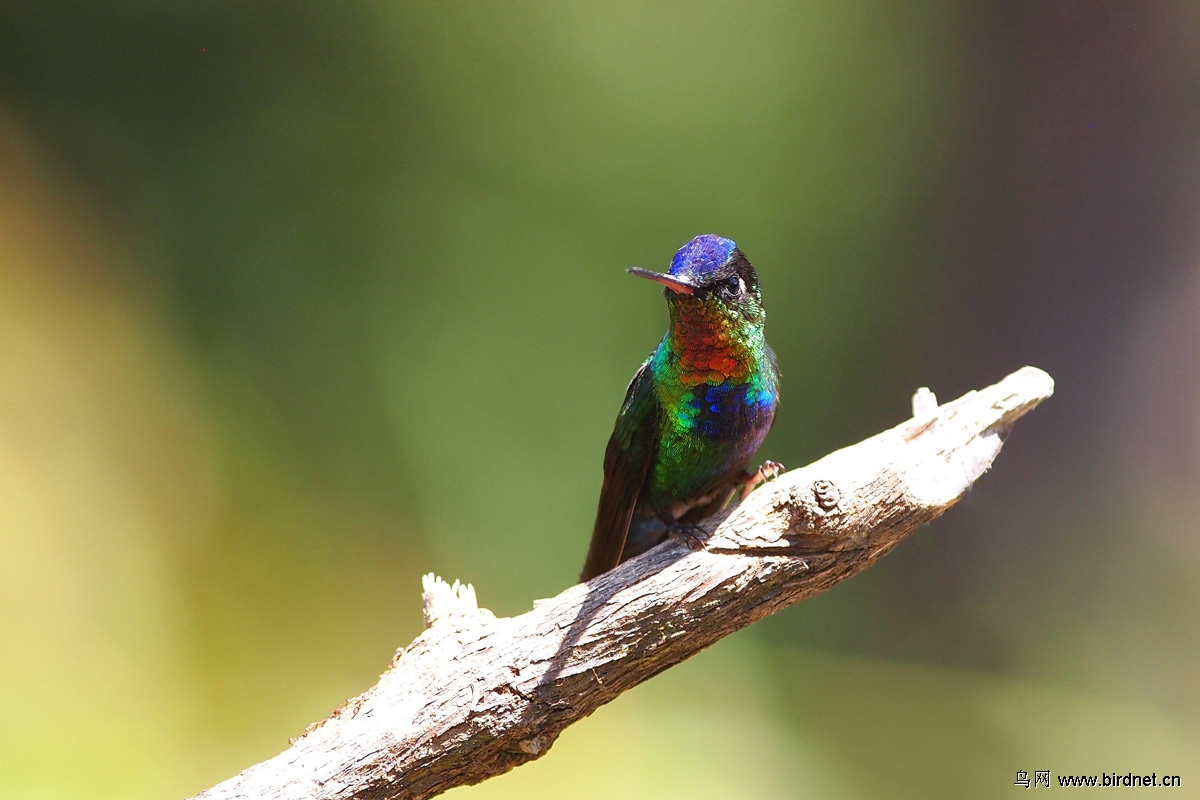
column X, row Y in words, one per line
column 702, row 255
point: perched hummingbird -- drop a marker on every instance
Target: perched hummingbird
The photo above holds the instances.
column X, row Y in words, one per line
column 696, row 411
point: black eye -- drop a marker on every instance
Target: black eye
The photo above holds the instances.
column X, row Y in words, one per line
column 733, row 287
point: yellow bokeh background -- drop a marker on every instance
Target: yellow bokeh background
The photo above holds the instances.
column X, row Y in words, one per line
column 300, row 302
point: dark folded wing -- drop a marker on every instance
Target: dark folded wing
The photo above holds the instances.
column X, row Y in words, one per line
column 626, row 460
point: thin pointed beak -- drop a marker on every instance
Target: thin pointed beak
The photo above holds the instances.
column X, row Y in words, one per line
column 676, row 285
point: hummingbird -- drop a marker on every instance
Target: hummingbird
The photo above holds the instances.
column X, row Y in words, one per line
column 694, row 414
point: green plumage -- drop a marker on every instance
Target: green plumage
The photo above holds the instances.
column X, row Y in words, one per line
column 696, row 411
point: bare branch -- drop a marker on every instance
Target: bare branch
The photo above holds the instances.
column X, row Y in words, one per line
column 474, row 696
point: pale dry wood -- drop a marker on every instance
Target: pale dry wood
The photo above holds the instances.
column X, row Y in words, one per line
column 474, row 696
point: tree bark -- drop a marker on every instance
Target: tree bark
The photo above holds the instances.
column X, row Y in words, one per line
column 474, row 696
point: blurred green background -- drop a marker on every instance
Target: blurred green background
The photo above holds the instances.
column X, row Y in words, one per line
column 299, row 301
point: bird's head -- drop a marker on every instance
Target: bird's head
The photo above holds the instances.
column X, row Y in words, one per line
column 710, row 278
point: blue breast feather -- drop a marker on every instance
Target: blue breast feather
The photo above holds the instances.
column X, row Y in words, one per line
column 726, row 411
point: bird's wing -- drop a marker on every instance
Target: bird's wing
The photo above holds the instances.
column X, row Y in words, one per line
column 626, row 459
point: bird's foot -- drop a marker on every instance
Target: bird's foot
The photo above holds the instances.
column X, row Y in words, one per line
column 689, row 533
column 769, row 471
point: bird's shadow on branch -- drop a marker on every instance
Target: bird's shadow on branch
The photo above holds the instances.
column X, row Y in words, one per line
column 600, row 590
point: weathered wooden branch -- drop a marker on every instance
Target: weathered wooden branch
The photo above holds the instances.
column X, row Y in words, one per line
column 474, row 696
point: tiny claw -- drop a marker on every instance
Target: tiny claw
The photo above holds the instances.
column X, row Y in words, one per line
column 691, row 535
column 769, row 471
